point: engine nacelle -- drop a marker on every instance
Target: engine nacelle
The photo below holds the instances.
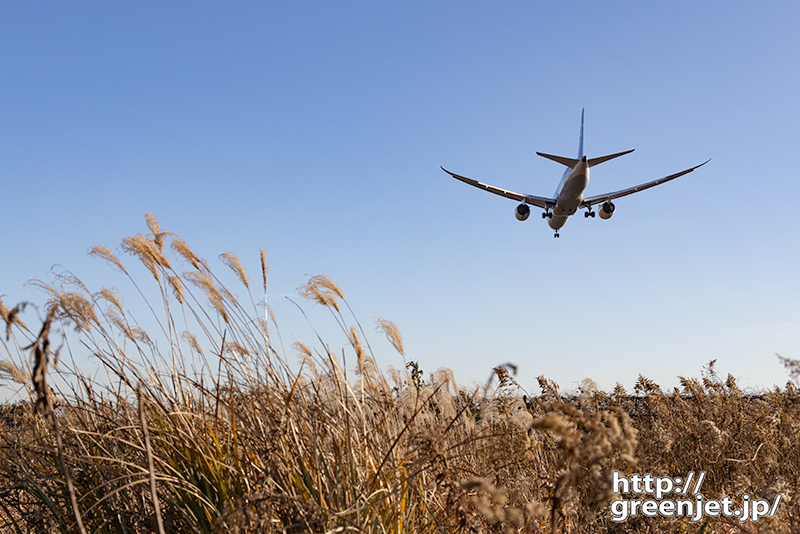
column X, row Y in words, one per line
column 522, row 212
column 606, row 210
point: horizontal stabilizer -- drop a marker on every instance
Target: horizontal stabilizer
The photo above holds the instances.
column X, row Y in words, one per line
column 569, row 162
column 603, row 159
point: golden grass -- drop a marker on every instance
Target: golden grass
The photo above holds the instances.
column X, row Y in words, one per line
column 12, row 371
column 252, row 443
column 233, row 263
column 203, row 280
column 104, row 253
column 392, row 334
column 180, row 246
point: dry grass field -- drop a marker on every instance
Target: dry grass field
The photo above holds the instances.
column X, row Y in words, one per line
column 265, row 445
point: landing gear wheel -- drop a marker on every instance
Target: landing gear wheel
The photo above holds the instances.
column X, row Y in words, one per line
column 556, row 234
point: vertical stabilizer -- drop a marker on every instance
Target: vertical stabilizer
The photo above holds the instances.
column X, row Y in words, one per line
column 580, row 144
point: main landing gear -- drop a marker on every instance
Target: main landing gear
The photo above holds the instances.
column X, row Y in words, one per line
column 547, row 214
column 589, row 213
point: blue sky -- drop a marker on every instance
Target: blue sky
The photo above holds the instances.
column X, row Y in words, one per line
column 316, row 130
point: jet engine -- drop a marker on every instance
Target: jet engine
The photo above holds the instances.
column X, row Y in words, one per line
column 522, row 212
column 606, row 210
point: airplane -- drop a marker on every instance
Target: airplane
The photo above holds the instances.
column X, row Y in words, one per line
column 569, row 197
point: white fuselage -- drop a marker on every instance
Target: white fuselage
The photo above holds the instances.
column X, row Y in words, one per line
column 569, row 193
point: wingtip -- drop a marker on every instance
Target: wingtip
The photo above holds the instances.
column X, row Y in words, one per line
column 445, row 170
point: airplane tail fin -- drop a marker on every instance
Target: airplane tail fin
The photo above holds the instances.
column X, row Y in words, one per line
column 569, row 162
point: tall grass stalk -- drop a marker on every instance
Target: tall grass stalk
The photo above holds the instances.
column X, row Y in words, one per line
column 252, row 442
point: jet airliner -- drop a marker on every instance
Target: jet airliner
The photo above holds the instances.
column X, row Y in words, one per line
column 568, row 197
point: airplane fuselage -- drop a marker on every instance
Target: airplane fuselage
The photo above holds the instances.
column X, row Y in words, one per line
column 569, row 193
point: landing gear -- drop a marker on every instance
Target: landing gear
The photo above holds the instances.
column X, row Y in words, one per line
column 589, row 213
column 547, row 214
column 556, row 234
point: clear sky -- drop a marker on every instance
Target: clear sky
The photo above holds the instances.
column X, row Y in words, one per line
column 315, row 130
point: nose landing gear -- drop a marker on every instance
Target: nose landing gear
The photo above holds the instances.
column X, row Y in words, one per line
column 556, row 234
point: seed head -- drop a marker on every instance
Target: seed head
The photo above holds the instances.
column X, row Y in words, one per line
column 204, row 282
column 104, row 253
column 188, row 336
column 264, row 267
column 112, row 298
column 177, row 287
column 321, row 289
column 229, row 259
column 147, row 251
column 180, row 246
column 12, row 371
column 392, row 333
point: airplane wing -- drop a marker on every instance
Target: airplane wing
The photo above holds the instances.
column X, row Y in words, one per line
column 597, row 199
column 541, row 202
